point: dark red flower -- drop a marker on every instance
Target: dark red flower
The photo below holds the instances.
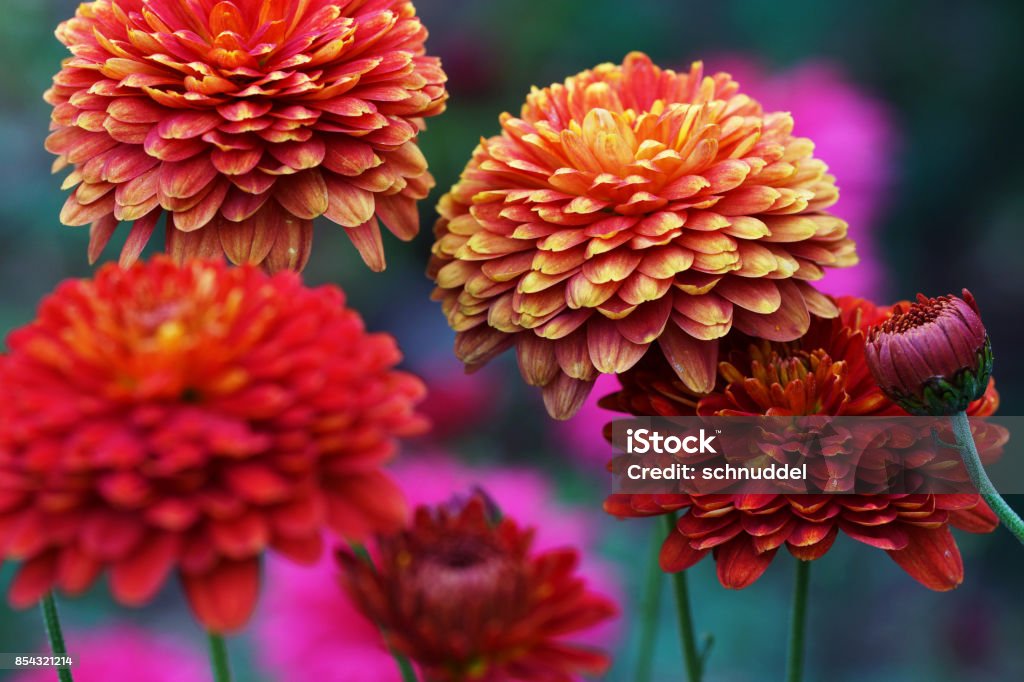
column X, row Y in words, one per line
column 186, row 419
column 932, row 357
column 244, row 120
column 463, row 595
column 823, row 373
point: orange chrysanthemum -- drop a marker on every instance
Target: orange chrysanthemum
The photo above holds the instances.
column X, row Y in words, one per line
column 244, row 120
column 468, row 598
column 824, row 373
column 634, row 206
column 167, row 418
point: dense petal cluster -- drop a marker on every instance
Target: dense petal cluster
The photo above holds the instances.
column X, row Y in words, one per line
column 466, row 596
column 244, row 120
column 824, row 373
column 634, row 207
column 934, row 356
column 185, row 419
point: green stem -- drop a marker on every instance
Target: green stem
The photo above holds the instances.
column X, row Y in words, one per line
column 975, row 469
column 53, row 631
column 650, row 609
column 219, row 658
column 408, row 673
column 798, row 623
column 689, row 644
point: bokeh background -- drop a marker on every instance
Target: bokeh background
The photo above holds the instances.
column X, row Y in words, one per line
column 916, row 107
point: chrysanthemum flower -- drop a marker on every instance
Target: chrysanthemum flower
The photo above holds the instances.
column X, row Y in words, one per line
column 823, row 373
column 465, row 596
column 244, row 121
column 186, row 419
column 306, row 624
column 934, row 356
column 630, row 207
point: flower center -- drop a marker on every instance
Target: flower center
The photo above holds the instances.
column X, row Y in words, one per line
column 788, row 378
column 925, row 311
column 462, row 567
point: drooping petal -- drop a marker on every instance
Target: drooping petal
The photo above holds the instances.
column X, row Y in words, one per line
column 367, row 240
column 693, row 361
column 135, row 579
column 564, row 396
column 223, row 599
column 740, row 564
column 932, row 558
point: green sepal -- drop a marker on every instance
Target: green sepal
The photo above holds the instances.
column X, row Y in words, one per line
column 941, row 397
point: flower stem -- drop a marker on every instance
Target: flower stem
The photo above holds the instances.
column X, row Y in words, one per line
column 219, row 658
column 689, row 644
column 798, row 623
column 650, row 609
column 976, row 470
column 53, row 631
column 408, row 673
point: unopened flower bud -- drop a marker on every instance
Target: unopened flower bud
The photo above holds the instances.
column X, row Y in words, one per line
column 933, row 357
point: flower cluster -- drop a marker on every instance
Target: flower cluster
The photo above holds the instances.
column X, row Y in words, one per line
column 824, row 373
column 634, row 207
column 244, row 121
column 186, row 417
column 189, row 418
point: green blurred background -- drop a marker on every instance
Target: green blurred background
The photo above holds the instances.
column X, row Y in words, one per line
column 950, row 74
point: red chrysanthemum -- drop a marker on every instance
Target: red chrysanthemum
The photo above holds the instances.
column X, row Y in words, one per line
column 822, row 373
column 466, row 598
column 188, row 418
column 630, row 207
column 244, row 120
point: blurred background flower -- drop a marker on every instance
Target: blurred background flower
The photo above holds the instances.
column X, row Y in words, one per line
column 854, row 132
column 460, row 401
column 182, row 420
column 309, row 625
column 463, row 594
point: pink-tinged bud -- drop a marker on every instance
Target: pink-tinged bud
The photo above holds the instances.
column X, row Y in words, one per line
column 932, row 357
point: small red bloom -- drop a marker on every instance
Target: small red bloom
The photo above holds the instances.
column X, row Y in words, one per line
column 186, row 419
column 933, row 356
column 823, row 373
column 466, row 599
column 244, row 120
